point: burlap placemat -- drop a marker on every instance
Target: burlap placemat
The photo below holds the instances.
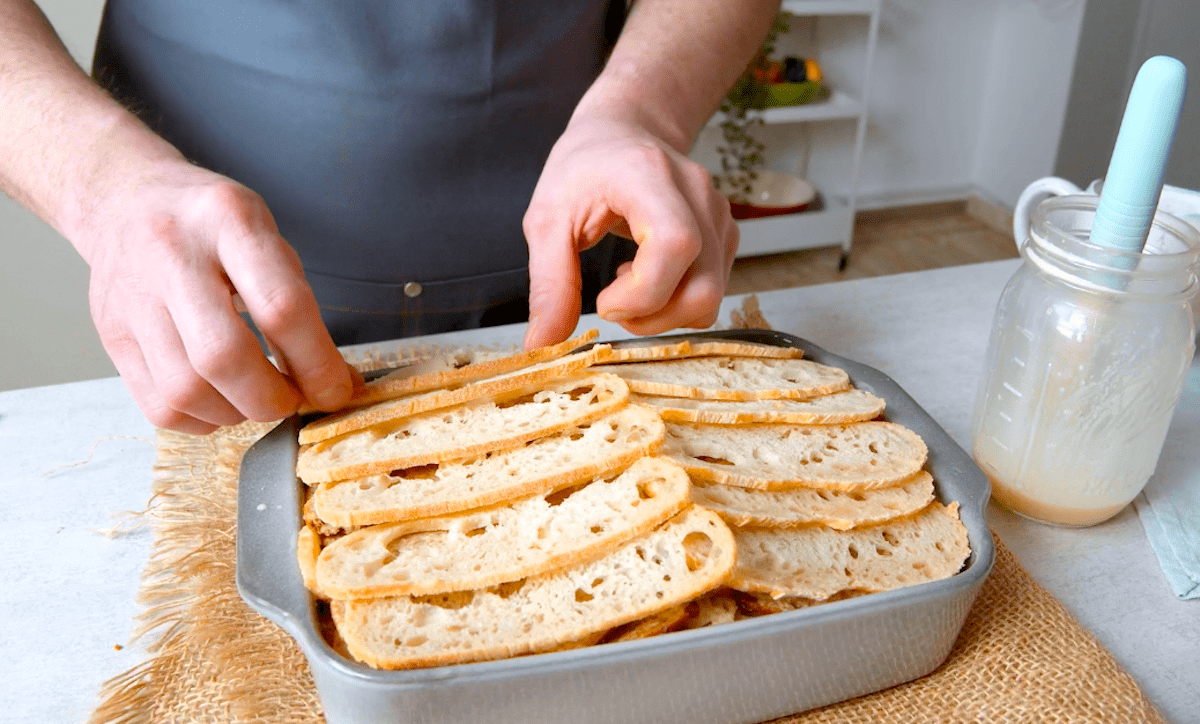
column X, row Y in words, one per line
column 1021, row 657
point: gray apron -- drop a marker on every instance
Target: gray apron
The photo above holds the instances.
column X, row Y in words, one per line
column 397, row 144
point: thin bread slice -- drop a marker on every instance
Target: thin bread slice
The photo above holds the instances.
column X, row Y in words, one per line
column 851, row 405
column 361, row 418
column 500, row 423
column 308, row 549
column 818, row 562
column 837, row 509
column 646, row 350
column 713, row 608
column 482, row 548
column 761, row 604
column 733, row 378
column 857, row 456
column 662, row 622
column 458, row 367
column 575, row 454
column 688, row 555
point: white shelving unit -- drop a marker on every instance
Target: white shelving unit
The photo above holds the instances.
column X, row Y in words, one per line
column 833, row 223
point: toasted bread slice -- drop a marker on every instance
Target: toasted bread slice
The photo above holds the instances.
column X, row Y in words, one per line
column 459, row 367
column 390, row 410
column 483, row 426
column 857, row 456
column 817, row 562
column 839, row 407
column 835, row 509
column 713, row 608
column 482, row 548
column 662, row 622
column 733, row 378
column 690, row 554
column 646, row 350
column 565, row 458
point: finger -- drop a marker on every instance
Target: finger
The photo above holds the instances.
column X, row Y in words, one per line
column 224, row 352
column 131, row 365
column 696, row 305
column 669, row 240
column 174, row 378
column 271, row 284
column 555, row 283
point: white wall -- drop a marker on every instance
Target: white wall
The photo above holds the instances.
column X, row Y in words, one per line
column 46, row 334
column 967, row 96
column 1028, row 81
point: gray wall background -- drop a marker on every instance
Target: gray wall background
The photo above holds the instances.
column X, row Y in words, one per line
column 1116, row 38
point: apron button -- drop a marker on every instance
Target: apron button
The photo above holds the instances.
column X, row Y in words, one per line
column 412, row 289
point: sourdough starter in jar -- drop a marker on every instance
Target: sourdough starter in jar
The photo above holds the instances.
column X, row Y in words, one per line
column 1086, row 361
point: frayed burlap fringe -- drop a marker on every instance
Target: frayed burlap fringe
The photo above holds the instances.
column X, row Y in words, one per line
column 1021, row 657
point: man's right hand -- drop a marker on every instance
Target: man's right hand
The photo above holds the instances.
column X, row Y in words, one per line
column 168, row 251
column 169, row 245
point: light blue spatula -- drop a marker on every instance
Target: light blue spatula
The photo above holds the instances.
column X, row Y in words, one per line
column 1135, row 173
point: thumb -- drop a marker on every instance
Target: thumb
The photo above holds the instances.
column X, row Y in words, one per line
column 554, row 287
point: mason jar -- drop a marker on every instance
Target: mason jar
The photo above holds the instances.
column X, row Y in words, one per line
column 1085, row 364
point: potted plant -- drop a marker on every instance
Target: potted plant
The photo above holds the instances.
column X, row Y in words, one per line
column 765, row 83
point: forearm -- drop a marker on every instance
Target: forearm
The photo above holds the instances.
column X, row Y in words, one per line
column 64, row 143
column 674, row 62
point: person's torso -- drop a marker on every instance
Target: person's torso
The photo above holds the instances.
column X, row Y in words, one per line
column 393, row 141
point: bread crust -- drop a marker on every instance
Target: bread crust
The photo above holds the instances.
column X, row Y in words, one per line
column 570, row 456
column 851, row 405
column 397, row 408
column 481, row 548
column 422, row 439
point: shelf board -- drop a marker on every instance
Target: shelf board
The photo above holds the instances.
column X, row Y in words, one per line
column 830, row 226
column 838, row 106
column 830, row 7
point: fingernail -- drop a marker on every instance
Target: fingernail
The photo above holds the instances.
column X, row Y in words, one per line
column 616, row 315
column 531, row 331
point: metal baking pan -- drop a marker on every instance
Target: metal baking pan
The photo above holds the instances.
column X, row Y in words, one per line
column 747, row 671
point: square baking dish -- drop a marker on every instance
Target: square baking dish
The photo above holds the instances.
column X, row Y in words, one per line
column 746, row 671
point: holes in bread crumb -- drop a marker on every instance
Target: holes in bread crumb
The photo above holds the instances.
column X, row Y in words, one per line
column 597, row 581
column 891, row 538
column 712, row 460
column 476, row 531
column 411, row 642
column 873, row 448
column 450, row 601
column 417, row 472
column 698, row 547
column 582, row 596
column 880, row 550
column 506, row 590
column 514, row 401
column 597, row 529
column 558, row 497
column 576, row 436
column 853, row 550
column 857, row 497
column 939, row 546
column 644, row 491
column 641, row 553
column 580, row 392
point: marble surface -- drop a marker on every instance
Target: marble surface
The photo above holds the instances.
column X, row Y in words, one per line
column 74, row 457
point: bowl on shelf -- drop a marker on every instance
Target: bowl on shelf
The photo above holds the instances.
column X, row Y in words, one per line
column 774, row 193
column 775, row 95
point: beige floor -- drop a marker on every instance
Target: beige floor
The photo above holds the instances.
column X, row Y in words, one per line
column 885, row 242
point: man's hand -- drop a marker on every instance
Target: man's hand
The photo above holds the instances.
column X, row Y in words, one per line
column 169, row 246
column 622, row 166
column 168, row 251
column 607, row 175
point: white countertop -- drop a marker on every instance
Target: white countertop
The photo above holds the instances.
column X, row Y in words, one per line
column 69, row 594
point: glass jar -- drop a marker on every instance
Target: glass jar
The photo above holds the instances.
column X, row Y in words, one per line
column 1085, row 364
